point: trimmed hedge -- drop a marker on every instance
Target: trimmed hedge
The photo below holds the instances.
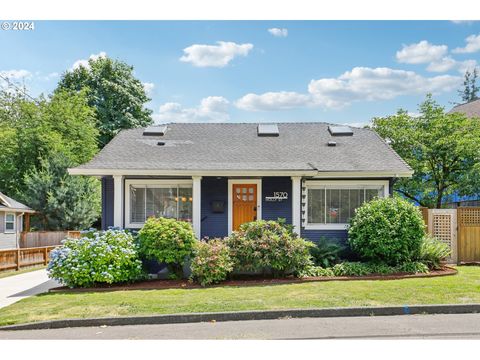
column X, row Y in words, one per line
column 387, row 230
column 167, row 241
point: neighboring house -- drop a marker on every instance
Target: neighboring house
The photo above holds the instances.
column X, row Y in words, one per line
column 11, row 221
column 471, row 109
column 221, row 175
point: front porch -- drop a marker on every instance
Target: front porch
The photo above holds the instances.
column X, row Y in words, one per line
column 215, row 205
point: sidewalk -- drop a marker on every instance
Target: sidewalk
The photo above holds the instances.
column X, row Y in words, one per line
column 18, row 287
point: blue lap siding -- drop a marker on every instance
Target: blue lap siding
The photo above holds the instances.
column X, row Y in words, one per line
column 272, row 210
column 107, row 202
column 214, row 224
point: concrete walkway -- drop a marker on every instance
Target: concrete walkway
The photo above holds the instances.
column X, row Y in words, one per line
column 18, row 287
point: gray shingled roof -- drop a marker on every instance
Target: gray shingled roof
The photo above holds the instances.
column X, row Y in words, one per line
column 9, row 203
column 236, row 146
column 471, row 109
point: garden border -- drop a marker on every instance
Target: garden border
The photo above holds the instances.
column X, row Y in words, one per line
column 250, row 315
column 184, row 284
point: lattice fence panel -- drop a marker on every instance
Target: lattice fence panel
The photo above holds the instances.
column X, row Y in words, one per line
column 469, row 216
column 442, row 228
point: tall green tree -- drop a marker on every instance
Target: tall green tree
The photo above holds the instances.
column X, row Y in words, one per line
column 34, row 129
column 117, row 96
column 61, row 200
column 443, row 150
column 469, row 92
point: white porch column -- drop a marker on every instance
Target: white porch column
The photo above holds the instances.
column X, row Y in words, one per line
column 118, row 201
column 296, row 203
column 197, row 205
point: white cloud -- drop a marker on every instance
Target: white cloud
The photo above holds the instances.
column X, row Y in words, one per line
column 359, row 84
column 84, row 62
column 16, row 74
column 469, row 65
column 363, row 83
column 421, row 53
column 278, row 32
column 148, row 87
column 211, row 109
column 442, row 65
column 473, row 45
column 272, row 101
column 51, row 76
column 214, row 55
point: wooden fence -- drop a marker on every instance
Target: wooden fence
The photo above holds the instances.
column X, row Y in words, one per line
column 469, row 234
column 45, row 238
column 18, row 258
column 459, row 228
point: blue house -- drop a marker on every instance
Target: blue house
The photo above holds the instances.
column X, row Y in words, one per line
column 220, row 175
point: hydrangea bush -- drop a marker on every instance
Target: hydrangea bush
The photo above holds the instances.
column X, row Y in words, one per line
column 262, row 245
column 387, row 230
column 212, row 262
column 97, row 257
column 167, row 241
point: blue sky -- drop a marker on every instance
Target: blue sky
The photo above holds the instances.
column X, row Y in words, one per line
column 239, row 71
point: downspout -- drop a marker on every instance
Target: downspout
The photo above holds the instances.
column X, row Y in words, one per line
column 18, row 232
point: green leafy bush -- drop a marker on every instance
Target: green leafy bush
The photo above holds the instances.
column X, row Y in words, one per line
column 351, row 269
column 97, row 257
column 167, row 241
column 433, row 251
column 387, row 230
column 212, row 262
column 325, row 253
column 260, row 246
column 315, row 271
column 413, row 267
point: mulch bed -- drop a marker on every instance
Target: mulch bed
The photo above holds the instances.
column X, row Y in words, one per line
column 248, row 281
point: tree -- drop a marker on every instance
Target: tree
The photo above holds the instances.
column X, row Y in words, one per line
column 34, row 129
column 443, row 150
column 117, row 96
column 470, row 88
column 63, row 201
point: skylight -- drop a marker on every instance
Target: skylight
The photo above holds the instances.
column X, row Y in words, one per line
column 267, row 130
column 340, row 130
column 155, row 130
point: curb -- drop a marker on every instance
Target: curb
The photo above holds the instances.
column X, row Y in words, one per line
column 249, row 315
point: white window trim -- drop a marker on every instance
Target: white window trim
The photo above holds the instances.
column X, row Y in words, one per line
column 312, row 184
column 146, row 183
column 231, row 182
column 14, row 230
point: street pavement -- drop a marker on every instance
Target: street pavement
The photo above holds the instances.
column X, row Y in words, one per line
column 459, row 326
column 18, row 287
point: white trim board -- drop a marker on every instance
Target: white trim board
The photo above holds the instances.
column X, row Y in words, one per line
column 314, row 173
column 258, row 182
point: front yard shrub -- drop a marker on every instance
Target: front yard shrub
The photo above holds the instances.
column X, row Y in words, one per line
column 413, row 267
column 351, row 269
column 433, row 251
column 260, row 246
column 325, row 253
column 167, row 241
column 97, row 257
column 212, row 262
column 387, row 230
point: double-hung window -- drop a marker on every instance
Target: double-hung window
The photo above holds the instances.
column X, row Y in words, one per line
column 330, row 205
column 157, row 198
column 9, row 222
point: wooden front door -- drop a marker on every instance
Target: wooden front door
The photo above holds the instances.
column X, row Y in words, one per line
column 244, row 204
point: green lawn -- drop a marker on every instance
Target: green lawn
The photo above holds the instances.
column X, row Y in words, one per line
column 461, row 288
column 4, row 274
